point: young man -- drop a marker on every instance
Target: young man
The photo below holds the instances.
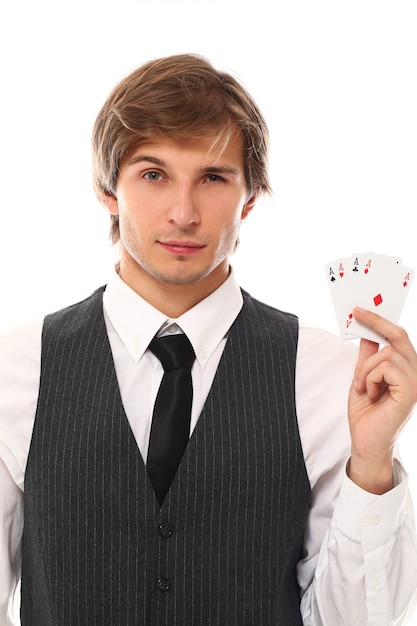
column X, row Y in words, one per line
column 288, row 506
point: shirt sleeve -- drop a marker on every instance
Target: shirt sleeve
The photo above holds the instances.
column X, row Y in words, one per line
column 19, row 384
column 360, row 563
column 11, row 512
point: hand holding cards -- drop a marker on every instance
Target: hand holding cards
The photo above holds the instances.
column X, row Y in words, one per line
column 376, row 282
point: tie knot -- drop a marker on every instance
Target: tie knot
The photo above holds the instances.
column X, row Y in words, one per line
column 174, row 352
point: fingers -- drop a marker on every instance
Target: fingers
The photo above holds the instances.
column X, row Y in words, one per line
column 381, row 377
column 366, row 349
column 395, row 335
column 394, row 364
column 369, row 373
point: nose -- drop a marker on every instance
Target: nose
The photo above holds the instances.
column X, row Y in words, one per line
column 183, row 210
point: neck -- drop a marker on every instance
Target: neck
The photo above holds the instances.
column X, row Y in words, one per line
column 173, row 300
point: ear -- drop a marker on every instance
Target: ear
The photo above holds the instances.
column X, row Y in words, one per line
column 249, row 205
column 111, row 204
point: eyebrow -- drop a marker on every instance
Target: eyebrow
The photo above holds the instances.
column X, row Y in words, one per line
column 222, row 169
column 208, row 169
column 143, row 157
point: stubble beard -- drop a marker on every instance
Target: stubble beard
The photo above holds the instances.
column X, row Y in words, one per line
column 184, row 273
column 180, row 277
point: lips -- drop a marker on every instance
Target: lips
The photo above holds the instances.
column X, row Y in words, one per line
column 181, row 247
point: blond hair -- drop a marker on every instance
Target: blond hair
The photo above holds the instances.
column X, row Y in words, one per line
column 180, row 97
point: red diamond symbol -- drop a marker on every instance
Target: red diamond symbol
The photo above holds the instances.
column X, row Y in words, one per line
column 378, row 299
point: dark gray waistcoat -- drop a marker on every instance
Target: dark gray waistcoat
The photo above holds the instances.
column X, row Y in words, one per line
column 97, row 550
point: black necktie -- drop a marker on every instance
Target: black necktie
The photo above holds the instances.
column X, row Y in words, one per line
column 170, row 429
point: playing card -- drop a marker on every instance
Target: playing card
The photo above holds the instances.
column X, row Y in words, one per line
column 383, row 290
column 337, row 277
column 378, row 283
column 342, row 276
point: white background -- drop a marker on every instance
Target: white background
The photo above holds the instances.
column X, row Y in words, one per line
column 335, row 80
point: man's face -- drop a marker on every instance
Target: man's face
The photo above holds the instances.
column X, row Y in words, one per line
column 180, row 209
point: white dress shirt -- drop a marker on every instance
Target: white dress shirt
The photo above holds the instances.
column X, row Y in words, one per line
column 360, row 564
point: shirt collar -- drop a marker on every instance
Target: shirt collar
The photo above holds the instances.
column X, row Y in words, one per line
column 136, row 321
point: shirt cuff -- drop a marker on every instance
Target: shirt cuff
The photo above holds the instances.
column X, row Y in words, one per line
column 367, row 518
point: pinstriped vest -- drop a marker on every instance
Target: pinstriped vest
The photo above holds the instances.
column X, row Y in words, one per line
column 222, row 550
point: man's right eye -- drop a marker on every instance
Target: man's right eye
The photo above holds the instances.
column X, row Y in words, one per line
column 152, row 175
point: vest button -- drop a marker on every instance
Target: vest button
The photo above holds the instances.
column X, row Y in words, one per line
column 163, row 584
column 165, row 530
